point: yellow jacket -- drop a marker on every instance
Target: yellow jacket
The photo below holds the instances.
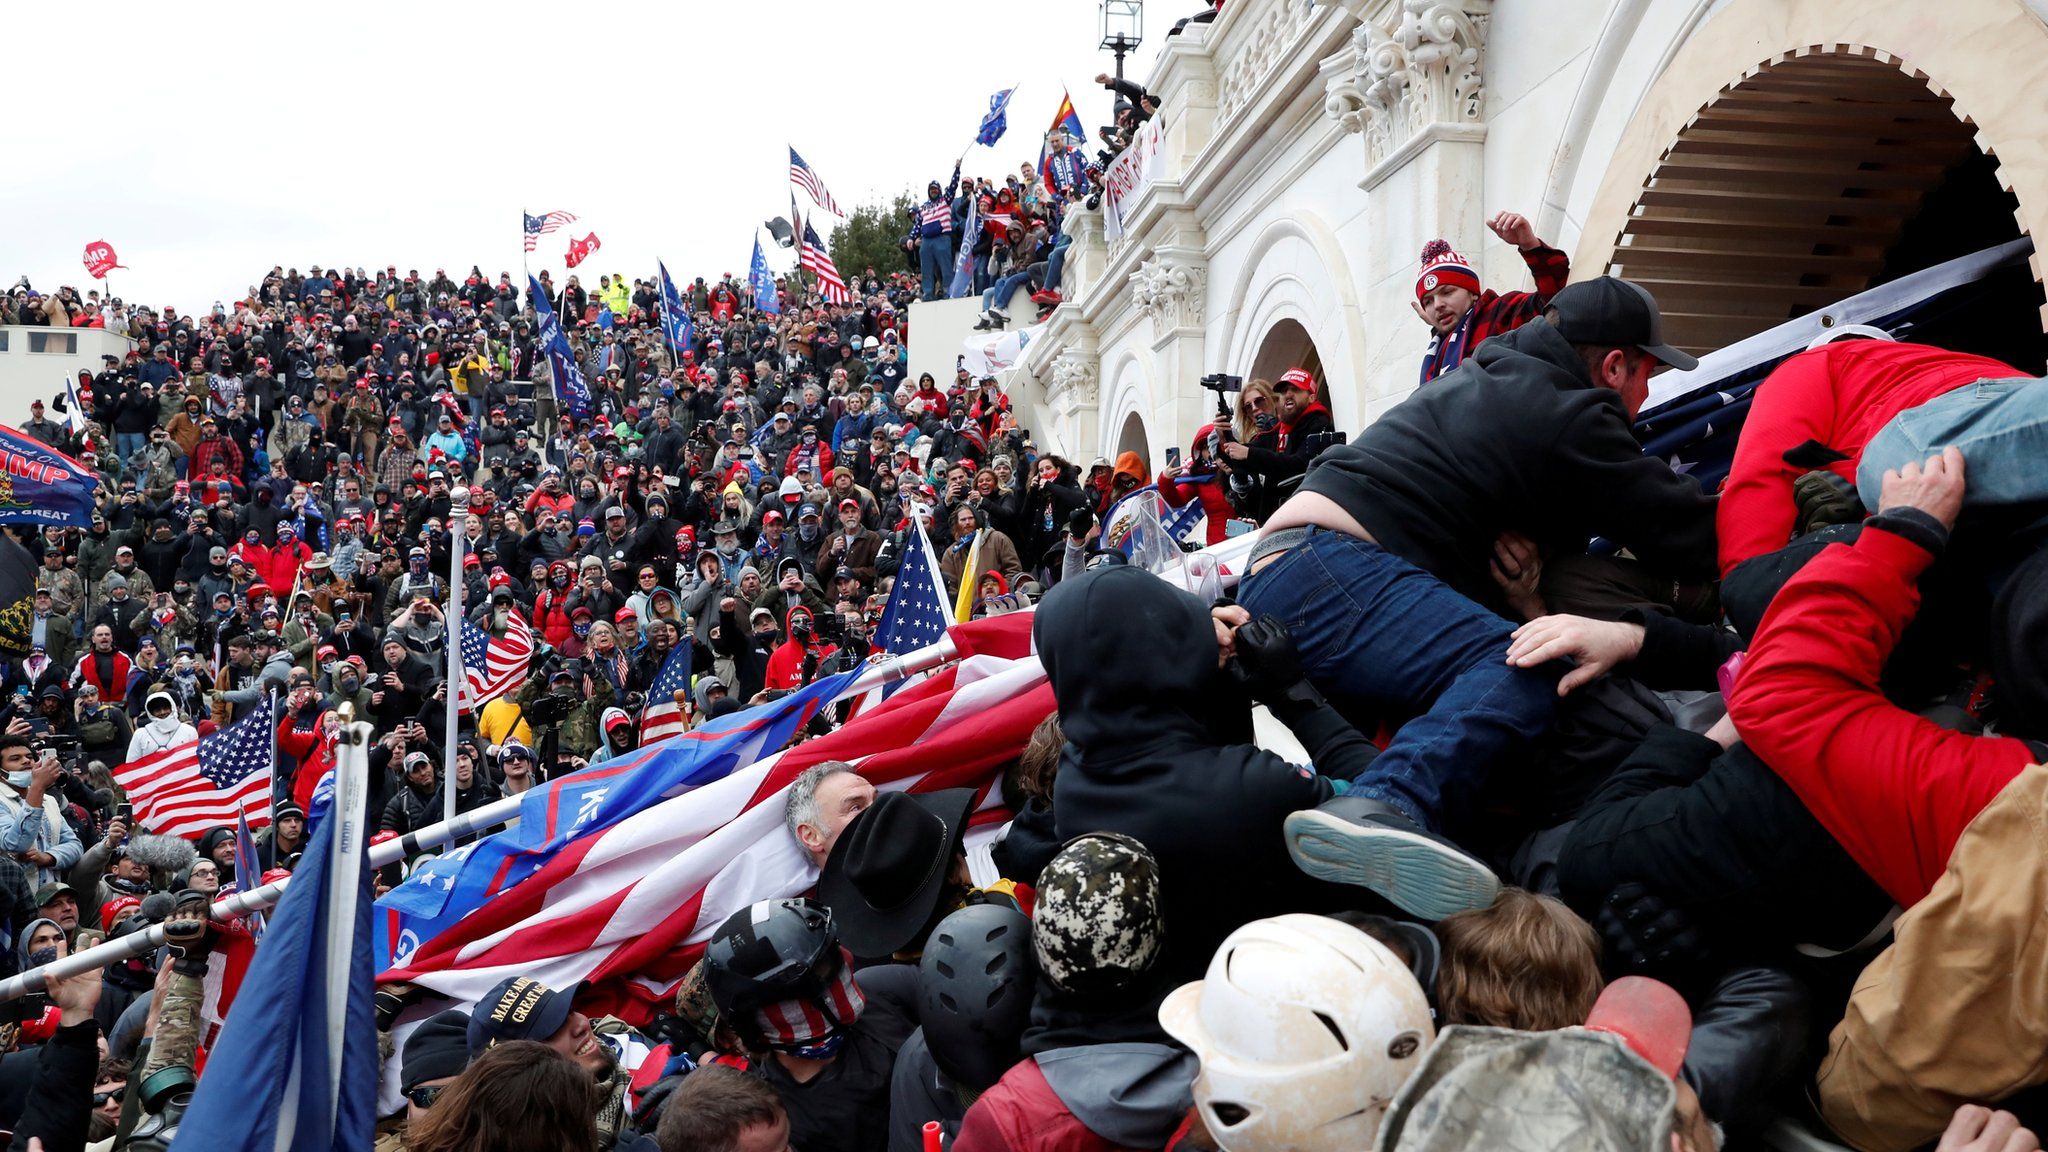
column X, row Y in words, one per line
column 619, row 297
column 501, row 719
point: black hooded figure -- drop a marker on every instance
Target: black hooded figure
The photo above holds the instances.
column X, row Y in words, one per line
column 1159, row 747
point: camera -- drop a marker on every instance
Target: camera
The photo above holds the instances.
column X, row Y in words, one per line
column 1221, row 382
column 1318, row 441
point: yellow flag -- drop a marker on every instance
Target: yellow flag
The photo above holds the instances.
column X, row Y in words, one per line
column 970, row 577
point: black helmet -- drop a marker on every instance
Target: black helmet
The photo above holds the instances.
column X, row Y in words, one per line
column 974, row 987
column 771, row 951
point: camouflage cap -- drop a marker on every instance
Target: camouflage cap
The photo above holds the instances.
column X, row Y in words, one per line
column 1097, row 924
column 1539, row 1091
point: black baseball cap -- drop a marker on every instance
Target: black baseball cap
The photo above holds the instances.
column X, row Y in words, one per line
column 1608, row 310
column 519, row 1008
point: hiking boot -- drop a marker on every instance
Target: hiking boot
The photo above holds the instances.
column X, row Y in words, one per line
column 1372, row 844
column 984, row 323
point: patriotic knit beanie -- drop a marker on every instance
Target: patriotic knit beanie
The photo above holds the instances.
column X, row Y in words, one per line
column 1442, row 265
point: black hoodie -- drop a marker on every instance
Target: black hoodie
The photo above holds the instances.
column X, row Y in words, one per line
column 1159, row 748
column 1516, row 437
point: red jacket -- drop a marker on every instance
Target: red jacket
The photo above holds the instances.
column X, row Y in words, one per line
column 1215, row 502
column 786, row 663
column 1023, row 1114
column 87, row 671
column 314, row 752
column 1839, row 395
column 822, row 466
column 1893, row 789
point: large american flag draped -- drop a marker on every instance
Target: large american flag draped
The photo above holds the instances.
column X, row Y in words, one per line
column 492, row 666
column 629, row 908
column 811, row 254
column 536, row 227
column 189, row 789
column 662, row 717
column 800, row 174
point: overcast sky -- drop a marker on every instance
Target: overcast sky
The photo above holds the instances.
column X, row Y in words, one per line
column 207, row 143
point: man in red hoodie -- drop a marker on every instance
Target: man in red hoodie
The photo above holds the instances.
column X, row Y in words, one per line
column 1949, row 824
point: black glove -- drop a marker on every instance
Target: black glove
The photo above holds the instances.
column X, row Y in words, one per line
column 1824, row 498
column 1647, row 936
column 1268, row 665
column 189, row 933
column 1079, row 523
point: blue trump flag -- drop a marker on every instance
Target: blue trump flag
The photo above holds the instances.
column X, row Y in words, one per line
column 40, row 485
column 271, row 1077
column 765, row 296
column 444, row 889
column 994, row 124
column 675, row 316
column 570, row 387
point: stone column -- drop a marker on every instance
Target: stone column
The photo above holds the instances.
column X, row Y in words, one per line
column 1171, row 289
column 1411, row 86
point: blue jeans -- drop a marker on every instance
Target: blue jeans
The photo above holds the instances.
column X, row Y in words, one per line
column 935, row 265
column 129, row 445
column 1369, row 624
column 1056, row 261
column 999, row 296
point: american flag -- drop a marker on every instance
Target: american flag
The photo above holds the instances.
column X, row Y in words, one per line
column 629, row 908
column 539, row 226
column 189, row 789
column 800, row 174
column 917, row 614
column 492, row 667
column 662, row 717
column 812, row 255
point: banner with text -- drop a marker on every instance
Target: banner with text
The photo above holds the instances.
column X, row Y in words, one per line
column 1130, row 173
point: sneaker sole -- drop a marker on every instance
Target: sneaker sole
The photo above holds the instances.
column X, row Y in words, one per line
column 1421, row 877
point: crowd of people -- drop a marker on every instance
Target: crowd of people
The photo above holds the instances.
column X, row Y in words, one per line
column 1736, row 814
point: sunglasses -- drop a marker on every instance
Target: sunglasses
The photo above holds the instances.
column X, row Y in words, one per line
column 1255, row 402
column 101, row 1099
column 425, row 1095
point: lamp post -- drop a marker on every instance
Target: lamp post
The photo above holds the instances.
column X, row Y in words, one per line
column 1123, row 26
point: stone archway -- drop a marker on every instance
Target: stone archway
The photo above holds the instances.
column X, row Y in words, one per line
column 1811, row 178
column 1834, row 69
column 1131, row 438
column 1288, row 345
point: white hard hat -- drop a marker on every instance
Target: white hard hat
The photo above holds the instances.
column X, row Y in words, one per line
column 1306, row 1028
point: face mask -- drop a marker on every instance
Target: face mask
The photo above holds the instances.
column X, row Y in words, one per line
column 19, row 779
column 1265, row 421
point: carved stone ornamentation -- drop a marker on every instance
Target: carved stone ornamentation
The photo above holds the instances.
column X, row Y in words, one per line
column 1074, row 381
column 1420, row 68
column 1171, row 294
column 1261, row 50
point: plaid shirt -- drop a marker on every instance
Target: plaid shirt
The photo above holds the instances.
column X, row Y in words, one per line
column 1498, row 312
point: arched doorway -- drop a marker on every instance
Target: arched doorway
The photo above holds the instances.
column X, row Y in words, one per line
column 1814, row 177
column 1131, row 438
column 1288, row 345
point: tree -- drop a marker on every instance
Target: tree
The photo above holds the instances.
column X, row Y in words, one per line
column 873, row 235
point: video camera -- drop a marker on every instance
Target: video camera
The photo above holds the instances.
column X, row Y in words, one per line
column 1221, row 383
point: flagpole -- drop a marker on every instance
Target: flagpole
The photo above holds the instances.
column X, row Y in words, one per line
column 458, row 511
column 270, row 703
column 472, row 822
column 344, row 884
